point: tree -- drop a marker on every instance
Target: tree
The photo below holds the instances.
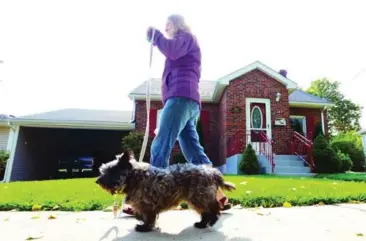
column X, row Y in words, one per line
column 345, row 115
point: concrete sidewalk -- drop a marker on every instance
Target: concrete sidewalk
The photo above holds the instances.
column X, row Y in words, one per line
column 340, row 222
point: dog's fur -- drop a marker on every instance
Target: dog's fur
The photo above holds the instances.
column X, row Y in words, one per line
column 153, row 190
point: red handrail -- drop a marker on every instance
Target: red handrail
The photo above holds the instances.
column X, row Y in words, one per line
column 301, row 146
column 264, row 146
column 267, row 150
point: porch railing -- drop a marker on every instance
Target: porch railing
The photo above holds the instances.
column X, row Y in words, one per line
column 262, row 146
column 302, row 147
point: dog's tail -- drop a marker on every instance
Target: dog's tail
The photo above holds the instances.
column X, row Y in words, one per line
column 223, row 184
column 228, row 186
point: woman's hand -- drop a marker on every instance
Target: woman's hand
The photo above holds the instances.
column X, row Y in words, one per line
column 150, row 31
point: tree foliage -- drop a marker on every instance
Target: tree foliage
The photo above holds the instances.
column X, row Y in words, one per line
column 345, row 115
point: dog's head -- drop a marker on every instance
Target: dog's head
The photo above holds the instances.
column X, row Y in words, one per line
column 113, row 174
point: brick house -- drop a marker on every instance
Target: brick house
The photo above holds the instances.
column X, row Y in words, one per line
column 256, row 105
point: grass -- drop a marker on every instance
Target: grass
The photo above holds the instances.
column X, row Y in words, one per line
column 350, row 176
column 252, row 191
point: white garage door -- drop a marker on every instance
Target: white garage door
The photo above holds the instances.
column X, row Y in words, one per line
column 4, row 136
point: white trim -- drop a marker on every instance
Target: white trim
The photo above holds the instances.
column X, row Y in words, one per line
column 10, row 163
column 322, row 119
column 309, row 104
column 261, row 114
column 207, row 99
column 98, row 125
column 10, row 139
column 267, row 103
column 258, row 65
column 304, row 129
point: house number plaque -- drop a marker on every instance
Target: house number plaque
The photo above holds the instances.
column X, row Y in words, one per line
column 235, row 109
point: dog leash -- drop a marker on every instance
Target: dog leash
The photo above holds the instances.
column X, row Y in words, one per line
column 148, row 96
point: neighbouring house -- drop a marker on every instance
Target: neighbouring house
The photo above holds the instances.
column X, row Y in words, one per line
column 39, row 142
column 256, row 105
column 4, row 131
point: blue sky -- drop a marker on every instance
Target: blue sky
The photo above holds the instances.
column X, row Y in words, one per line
column 90, row 54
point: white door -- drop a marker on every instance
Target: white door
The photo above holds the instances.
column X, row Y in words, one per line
column 258, row 120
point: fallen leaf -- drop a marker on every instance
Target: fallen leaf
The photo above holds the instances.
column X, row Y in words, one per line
column 51, row 217
column 321, row 204
column 334, row 183
column 287, row 205
column 302, row 187
column 359, row 234
column 293, row 189
column 243, row 183
column 55, row 207
column 6, row 219
column 78, row 220
column 32, row 235
column 248, row 192
column 36, row 207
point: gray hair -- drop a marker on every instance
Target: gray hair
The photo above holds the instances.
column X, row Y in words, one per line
column 179, row 23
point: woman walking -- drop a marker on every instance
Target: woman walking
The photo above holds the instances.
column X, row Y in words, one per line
column 181, row 98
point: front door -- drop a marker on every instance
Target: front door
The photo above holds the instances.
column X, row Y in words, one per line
column 258, row 120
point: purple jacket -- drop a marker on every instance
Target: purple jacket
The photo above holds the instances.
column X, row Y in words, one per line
column 182, row 69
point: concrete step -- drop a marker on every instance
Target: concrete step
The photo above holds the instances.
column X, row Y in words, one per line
column 291, row 169
column 287, row 157
column 297, row 163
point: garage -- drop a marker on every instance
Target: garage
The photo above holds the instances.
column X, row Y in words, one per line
column 56, row 145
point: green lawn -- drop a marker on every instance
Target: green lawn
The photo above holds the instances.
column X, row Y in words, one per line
column 351, row 176
column 266, row 191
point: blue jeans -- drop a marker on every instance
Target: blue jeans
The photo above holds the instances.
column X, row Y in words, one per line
column 178, row 121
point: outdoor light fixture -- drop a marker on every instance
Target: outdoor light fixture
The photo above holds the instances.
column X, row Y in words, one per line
column 278, row 95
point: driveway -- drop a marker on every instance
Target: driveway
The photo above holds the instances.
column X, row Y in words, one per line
column 346, row 222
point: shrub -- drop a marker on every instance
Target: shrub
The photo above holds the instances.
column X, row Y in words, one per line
column 325, row 158
column 317, row 130
column 4, row 156
column 345, row 162
column 249, row 163
column 134, row 141
column 355, row 152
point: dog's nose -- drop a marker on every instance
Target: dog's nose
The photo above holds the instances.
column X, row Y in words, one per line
column 97, row 181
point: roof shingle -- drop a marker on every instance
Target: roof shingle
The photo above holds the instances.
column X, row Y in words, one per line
column 82, row 115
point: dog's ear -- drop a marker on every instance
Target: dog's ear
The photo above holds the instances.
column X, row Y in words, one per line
column 124, row 160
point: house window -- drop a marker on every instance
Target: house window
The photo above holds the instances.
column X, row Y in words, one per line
column 298, row 124
column 257, row 118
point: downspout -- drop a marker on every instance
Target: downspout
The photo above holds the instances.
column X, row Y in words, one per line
column 322, row 117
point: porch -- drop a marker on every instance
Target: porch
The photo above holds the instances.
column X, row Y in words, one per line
column 298, row 162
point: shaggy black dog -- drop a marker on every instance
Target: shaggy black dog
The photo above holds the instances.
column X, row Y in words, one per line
column 153, row 190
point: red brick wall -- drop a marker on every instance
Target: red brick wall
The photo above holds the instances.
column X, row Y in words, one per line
column 211, row 135
column 316, row 113
column 257, row 84
column 222, row 112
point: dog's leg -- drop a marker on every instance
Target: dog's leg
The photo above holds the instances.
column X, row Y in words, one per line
column 214, row 208
column 148, row 220
column 205, row 219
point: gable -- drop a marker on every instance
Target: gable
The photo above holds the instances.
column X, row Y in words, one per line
column 263, row 68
